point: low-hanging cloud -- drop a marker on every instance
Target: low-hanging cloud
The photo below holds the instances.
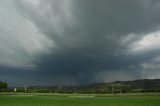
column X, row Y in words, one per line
column 81, row 41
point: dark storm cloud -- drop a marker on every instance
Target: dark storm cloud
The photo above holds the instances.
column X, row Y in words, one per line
column 93, row 40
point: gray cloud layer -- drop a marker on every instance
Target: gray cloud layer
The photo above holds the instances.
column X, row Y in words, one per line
column 79, row 41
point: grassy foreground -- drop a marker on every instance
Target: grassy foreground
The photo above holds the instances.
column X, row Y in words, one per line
column 67, row 100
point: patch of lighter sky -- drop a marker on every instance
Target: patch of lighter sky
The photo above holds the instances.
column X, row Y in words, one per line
column 20, row 39
column 34, row 2
column 148, row 43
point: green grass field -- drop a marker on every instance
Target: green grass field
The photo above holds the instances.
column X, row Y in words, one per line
column 73, row 100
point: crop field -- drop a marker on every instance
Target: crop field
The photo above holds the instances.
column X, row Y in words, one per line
column 79, row 100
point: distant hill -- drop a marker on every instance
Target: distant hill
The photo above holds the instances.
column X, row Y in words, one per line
column 145, row 84
column 142, row 85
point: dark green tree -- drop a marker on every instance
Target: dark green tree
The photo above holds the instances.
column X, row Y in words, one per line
column 3, row 86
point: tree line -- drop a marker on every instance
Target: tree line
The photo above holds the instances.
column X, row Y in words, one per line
column 3, row 86
column 137, row 86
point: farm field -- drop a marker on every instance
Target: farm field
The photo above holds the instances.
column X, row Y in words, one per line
column 79, row 100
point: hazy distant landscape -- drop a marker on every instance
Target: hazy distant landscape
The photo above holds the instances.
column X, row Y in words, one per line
column 117, row 87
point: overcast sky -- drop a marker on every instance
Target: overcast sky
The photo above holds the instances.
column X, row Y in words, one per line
column 76, row 42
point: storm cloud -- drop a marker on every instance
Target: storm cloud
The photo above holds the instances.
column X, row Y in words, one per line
column 74, row 42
